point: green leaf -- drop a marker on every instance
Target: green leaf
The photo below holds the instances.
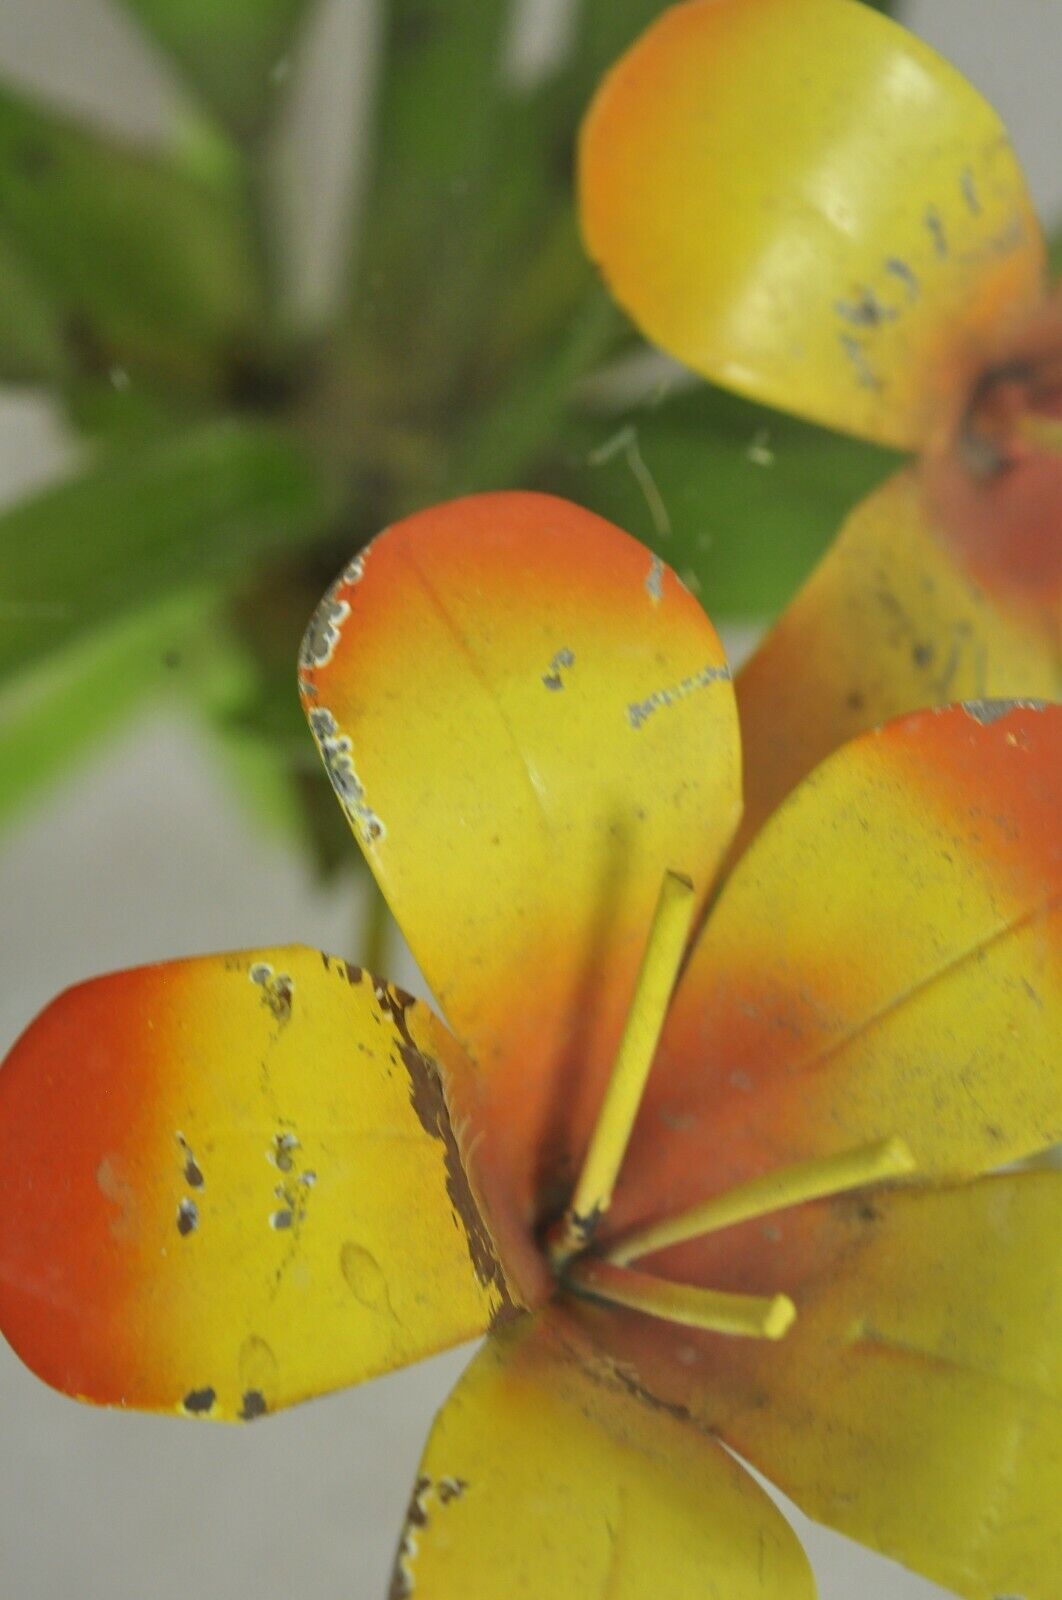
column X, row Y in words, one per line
column 148, row 266
column 53, row 715
column 440, row 105
column 206, row 505
column 505, row 440
column 740, row 500
column 30, row 343
column 234, row 53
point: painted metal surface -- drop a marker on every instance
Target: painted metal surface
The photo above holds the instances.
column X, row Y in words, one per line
column 804, row 203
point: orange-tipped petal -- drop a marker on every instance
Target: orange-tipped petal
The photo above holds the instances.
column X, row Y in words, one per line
column 543, row 1479
column 896, row 617
column 886, row 960
column 803, row 202
column 232, row 1183
column 529, row 721
column 916, row 1403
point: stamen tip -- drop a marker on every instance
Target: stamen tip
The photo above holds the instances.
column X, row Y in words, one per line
column 780, row 1316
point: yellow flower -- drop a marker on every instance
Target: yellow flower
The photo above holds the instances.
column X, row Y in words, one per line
column 235, row 1182
column 801, row 201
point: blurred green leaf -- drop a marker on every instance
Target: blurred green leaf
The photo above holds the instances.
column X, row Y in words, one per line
column 234, row 53
column 147, row 265
column 228, row 687
column 244, row 683
column 30, row 344
column 440, row 104
column 208, row 504
column 740, row 500
column 500, row 445
column 54, row 714
column 116, row 412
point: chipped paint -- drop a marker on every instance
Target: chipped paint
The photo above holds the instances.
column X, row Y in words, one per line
column 856, row 352
column 906, row 275
column 199, row 1402
column 444, row 1491
column 968, row 185
column 252, row 1405
column 354, row 571
column 335, row 747
column 278, row 989
column 986, row 712
column 257, row 1368
column 191, row 1171
column 934, row 225
column 120, row 1193
column 563, row 660
column 429, row 1103
column 408, row 1548
column 654, row 580
column 450, row 1489
column 640, row 711
column 281, row 1151
column 866, row 310
column 323, row 633
column 187, row 1217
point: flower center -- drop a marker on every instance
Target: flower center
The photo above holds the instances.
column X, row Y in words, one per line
column 608, row 1276
column 1015, row 412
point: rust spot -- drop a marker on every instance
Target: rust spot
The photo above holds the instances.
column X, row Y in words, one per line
column 428, row 1101
column 199, row 1402
column 253, row 1405
column 451, row 1489
column 416, row 1520
column 193, row 1172
column 278, row 989
column 900, row 270
column 865, row 310
column 553, row 679
column 934, row 223
column 281, row 1153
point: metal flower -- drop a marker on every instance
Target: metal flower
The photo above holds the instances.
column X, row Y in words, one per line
column 801, row 201
column 758, row 1206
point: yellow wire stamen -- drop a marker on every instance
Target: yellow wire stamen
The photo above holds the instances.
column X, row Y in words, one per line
column 623, row 1095
column 742, row 1315
column 775, row 1191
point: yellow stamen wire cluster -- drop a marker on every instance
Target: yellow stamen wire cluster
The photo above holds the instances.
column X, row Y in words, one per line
column 609, row 1276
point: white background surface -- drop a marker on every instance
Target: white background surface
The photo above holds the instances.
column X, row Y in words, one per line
column 145, row 855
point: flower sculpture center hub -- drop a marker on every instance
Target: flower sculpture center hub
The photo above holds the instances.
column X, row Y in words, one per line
column 607, row 1275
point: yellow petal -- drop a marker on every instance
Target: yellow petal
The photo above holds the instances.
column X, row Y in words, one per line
column 529, row 721
column 891, row 621
column 803, row 202
column 917, row 1403
column 232, row 1183
column 885, row 961
column 541, row 1480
